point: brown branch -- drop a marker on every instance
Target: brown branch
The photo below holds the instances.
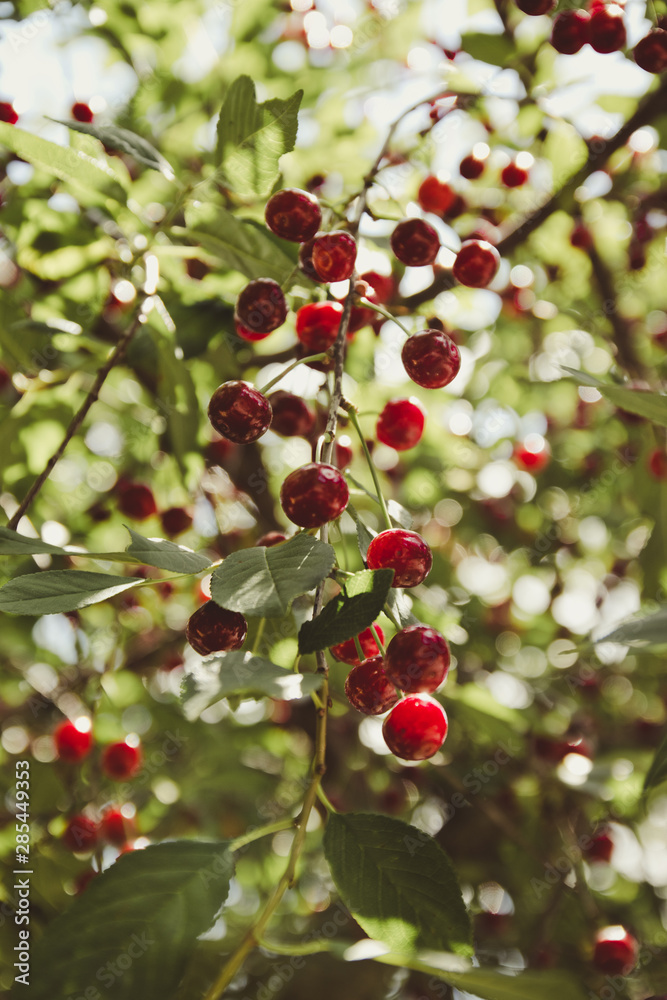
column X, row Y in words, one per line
column 619, row 323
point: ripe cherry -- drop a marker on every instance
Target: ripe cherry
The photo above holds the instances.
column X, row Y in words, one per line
column 270, row 538
column 401, row 423
column 314, row 494
column 569, row 32
column 434, row 195
column 616, row 951
column 306, row 260
column 405, row 552
column 513, row 175
column 115, row 828
column 239, row 412
column 368, row 688
column 175, row 520
column 606, row 31
column 252, row 336
column 657, row 463
column 600, row 849
column 293, row 214
column 334, row 255
column 476, row 264
column 431, row 358
column 212, row 629
column 7, row 113
column 416, row 727
column 383, row 285
column 292, row 416
column 581, row 236
column 530, row 459
column 536, row 7
column 81, row 112
column 650, row 52
column 317, row 325
column 343, row 453
column 415, row 242
column 73, row 744
column 346, row 651
column 471, row 167
column 417, row 659
column 136, row 501
column 81, row 834
column 121, row 761
column 261, row 306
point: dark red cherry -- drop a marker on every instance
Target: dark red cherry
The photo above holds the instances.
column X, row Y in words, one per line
column 405, row 552
column 513, row 176
column 569, row 32
column 434, row 195
column 471, row 168
column 239, row 412
column 417, row 659
column 650, row 52
column 306, row 261
column 476, row 264
column 368, row 688
column 250, row 335
column 7, row 113
column 73, row 744
column 600, row 849
column 317, row 325
column 415, row 242
column 383, row 285
column 314, row 494
column 81, row 834
column 292, row 415
column 401, row 423
column 581, row 236
column 271, row 538
column 416, row 727
column 261, row 306
column 346, row 651
column 175, row 520
column 606, row 31
column 121, row 761
column 616, row 951
column 334, row 255
column 136, row 501
column 293, row 214
column 343, row 453
column 657, row 463
column 212, row 629
column 431, row 359
column 81, row 112
column 115, row 828
column 536, row 7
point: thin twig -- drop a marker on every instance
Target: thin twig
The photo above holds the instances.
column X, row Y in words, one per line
column 619, row 323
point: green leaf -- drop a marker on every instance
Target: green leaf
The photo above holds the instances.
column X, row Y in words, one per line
column 13, row 544
column 53, row 591
column 264, row 581
column 355, row 608
column 398, row 883
column 494, row 49
column 239, row 673
column 364, row 535
column 177, row 397
column 124, row 141
column 491, row 985
column 651, row 630
column 657, row 772
column 76, row 167
column 651, row 405
column 166, row 555
column 134, row 928
column 400, row 606
column 252, row 137
column 400, row 517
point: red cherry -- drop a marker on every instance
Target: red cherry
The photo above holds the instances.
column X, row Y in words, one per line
column 261, row 306
column 343, row 453
column 346, row 651
column 306, row 261
column 271, row 538
column 616, row 951
column 121, row 761
column 405, row 552
column 415, row 242
column 434, row 195
column 401, row 423
column 7, row 113
column 471, row 168
column 81, row 834
column 457, row 207
column 533, row 461
column 513, row 176
column 239, row 412
column 416, row 727
column 175, row 520
column 212, row 629
column 657, row 463
column 81, row 112
column 431, row 358
column 115, row 828
column 606, row 31
column 72, row 743
column 417, row 659
column 569, row 32
column 476, row 264
column 292, row 416
column 317, row 325
column 600, row 849
column 536, row 7
column 293, row 214
column 650, row 52
column 314, row 494
column 581, row 236
column 250, row 335
column 334, row 255
column 136, row 501
column 368, row 688
column 383, row 285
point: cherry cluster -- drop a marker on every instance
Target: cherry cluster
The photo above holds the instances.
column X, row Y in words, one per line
column 136, row 500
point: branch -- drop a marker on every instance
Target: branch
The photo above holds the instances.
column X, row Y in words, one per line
column 620, row 324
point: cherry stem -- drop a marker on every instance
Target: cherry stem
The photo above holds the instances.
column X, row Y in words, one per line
column 261, row 831
column 258, row 634
column 392, row 617
column 295, row 364
column 321, row 794
column 383, row 312
column 352, row 413
column 378, row 640
column 360, row 652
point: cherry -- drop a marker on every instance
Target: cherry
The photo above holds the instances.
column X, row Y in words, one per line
column 533, row 461
column 314, row 494
column 81, row 112
column 346, row 651
column 196, row 268
column 513, row 176
column 306, row 260
column 136, row 501
column 471, row 168
column 431, row 358
column 292, row 416
column 7, row 113
column 334, row 255
column 239, row 412
column 261, row 306
column 581, row 236
column 383, row 285
column 72, row 743
column 606, row 31
column 616, row 951
column 416, row 727
column 401, row 423
column 115, row 828
column 212, row 629
column 250, row 335
column 417, row 659
column 650, row 52
column 368, row 688
column 536, row 7
column 317, row 325
column 657, row 463
column 569, row 32
column 476, row 264
column 600, row 849
column 175, row 520
column 434, row 195
column 343, row 453
column 405, row 552
column 457, row 208
column 415, row 242
column 81, row 834
column 293, row 214
column 121, row 761
column 271, row 538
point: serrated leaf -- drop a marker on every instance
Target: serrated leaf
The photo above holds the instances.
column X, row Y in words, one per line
column 398, row 883
column 657, row 772
column 352, row 610
column 13, row 544
column 122, row 140
column 264, row 581
column 166, row 555
column 134, row 928
column 54, row 591
column 400, row 606
column 651, row 405
column 252, row 137
column 76, row 167
column 238, row 673
column 650, row 629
